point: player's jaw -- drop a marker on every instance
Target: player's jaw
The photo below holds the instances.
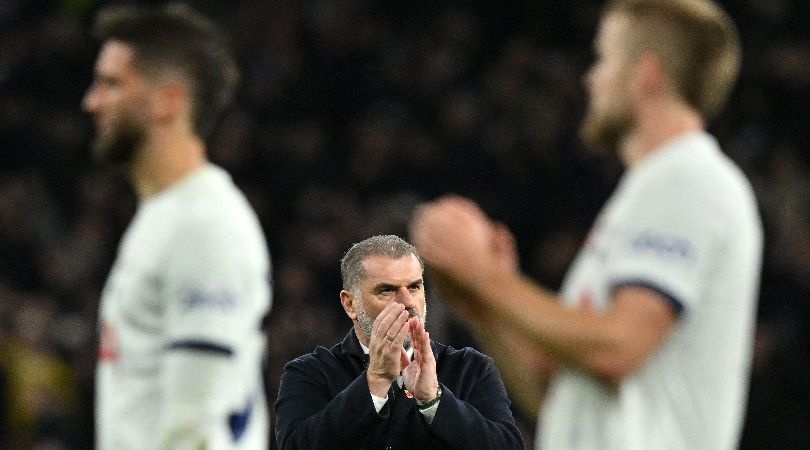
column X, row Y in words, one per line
column 605, row 127
column 117, row 138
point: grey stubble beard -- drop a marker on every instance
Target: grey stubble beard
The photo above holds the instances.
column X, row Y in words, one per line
column 366, row 322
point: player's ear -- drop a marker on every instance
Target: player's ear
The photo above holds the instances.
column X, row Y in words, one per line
column 649, row 77
column 347, row 300
column 171, row 100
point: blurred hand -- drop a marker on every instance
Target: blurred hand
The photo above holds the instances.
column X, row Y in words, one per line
column 504, row 248
column 457, row 239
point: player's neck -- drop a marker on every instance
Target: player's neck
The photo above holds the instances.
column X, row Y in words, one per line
column 164, row 159
column 657, row 124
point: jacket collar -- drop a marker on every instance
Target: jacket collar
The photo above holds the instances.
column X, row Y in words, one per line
column 350, row 348
column 351, row 345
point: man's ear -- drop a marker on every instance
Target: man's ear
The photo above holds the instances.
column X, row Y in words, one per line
column 347, row 300
column 649, row 77
column 171, row 100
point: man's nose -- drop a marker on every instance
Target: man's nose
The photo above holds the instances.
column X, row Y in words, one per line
column 405, row 297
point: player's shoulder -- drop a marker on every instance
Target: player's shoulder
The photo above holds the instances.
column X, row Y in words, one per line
column 696, row 156
column 210, row 191
column 690, row 165
column 212, row 198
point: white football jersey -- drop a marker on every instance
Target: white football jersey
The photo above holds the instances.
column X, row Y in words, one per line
column 181, row 344
column 684, row 223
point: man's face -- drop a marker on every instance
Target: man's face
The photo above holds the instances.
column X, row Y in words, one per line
column 389, row 280
column 609, row 116
column 117, row 99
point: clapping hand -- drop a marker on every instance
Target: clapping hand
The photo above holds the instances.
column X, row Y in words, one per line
column 387, row 357
column 420, row 374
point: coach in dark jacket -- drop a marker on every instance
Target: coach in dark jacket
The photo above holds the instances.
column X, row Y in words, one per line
column 387, row 386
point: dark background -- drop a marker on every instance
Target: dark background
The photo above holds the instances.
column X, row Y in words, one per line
column 350, row 113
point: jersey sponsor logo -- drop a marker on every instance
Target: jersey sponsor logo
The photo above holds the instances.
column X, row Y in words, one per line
column 216, row 299
column 662, row 245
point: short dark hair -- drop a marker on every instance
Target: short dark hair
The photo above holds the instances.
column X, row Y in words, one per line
column 389, row 246
column 176, row 38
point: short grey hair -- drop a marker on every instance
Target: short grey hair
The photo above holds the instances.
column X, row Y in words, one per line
column 389, row 246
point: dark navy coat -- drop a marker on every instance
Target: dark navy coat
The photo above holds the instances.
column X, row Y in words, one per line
column 324, row 403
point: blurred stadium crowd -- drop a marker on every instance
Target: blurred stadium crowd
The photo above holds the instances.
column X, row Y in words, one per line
column 351, row 112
